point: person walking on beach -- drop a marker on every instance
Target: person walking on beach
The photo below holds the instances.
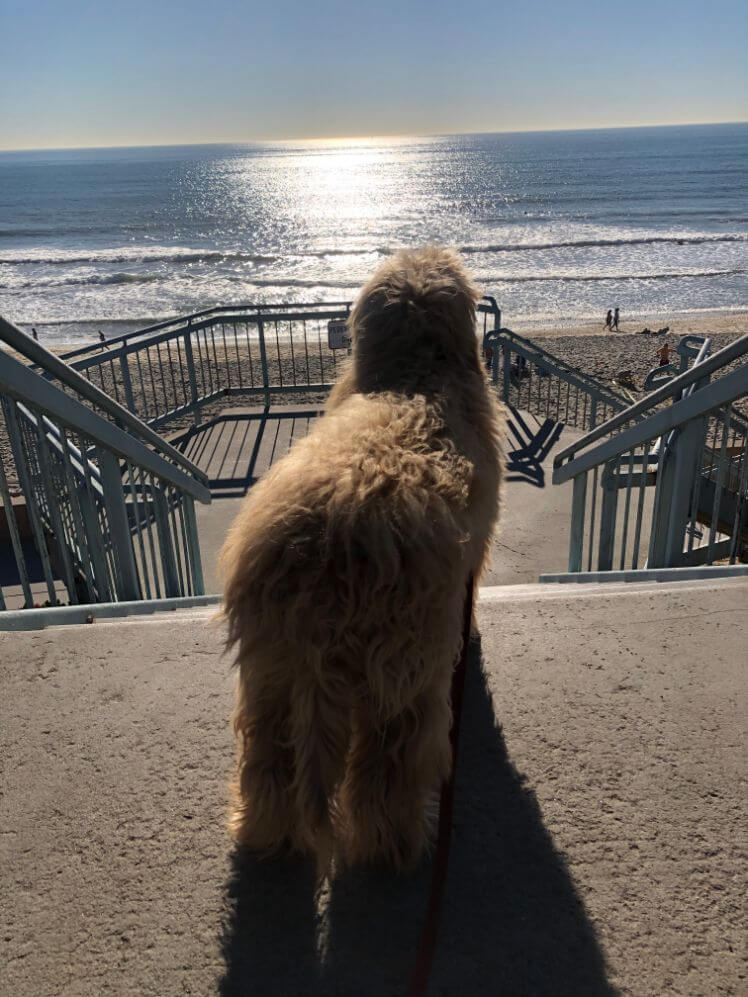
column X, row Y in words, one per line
column 35, row 334
column 615, row 320
column 609, row 319
column 663, row 355
column 102, row 340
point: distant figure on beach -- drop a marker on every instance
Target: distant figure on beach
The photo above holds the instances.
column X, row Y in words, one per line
column 615, row 320
column 34, row 333
column 609, row 319
column 663, row 354
column 102, row 340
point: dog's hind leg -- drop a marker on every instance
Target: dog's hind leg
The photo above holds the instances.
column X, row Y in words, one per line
column 320, row 735
column 261, row 816
column 394, row 770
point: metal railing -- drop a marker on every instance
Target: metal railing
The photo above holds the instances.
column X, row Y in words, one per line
column 530, row 378
column 665, row 482
column 168, row 372
column 96, row 506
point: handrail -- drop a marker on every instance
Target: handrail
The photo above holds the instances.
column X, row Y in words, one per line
column 491, row 308
column 717, row 360
column 41, row 356
column 21, row 382
column 690, row 407
column 179, row 319
column 535, row 350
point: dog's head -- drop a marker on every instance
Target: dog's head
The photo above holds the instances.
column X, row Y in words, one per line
column 415, row 315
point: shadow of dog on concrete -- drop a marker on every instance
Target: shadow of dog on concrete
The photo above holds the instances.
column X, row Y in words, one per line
column 512, row 921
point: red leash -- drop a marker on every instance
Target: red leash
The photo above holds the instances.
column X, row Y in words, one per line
column 420, row 978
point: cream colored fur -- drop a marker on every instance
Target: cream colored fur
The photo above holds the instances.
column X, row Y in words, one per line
column 345, row 575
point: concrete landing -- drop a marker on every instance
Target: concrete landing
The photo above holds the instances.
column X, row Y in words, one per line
column 598, row 829
column 242, row 444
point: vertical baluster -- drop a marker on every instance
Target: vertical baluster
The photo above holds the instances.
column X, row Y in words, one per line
column 128, row 583
column 293, row 353
column 154, row 393
column 32, row 506
column 576, row 542
column 219, row 381
column 15, row 539
column 238, row 359
column 166, row 543
column 146, row 482
column 277, row 351
column 54, row 502
column 741, row 501
column 143, row 394
column 306, row 353
column 640, row 503
column 228, row 381
column 136, row 507
column 719, row 483
column 164, row 388
column 627, row 505
column 592, row 517
column 198, row 584
column 89, row 500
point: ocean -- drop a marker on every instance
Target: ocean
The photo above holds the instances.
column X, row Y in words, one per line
column 559, row 226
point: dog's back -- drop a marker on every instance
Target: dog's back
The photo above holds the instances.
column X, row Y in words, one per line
column 346, row 570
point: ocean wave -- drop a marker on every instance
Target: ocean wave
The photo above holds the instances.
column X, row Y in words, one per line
column 284, row 282
column 140, row 255
column 592, row 278
column 165, row 254
column 690, row 240
column 92, row 280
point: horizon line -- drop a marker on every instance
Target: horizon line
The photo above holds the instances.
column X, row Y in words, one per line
column 364, row 137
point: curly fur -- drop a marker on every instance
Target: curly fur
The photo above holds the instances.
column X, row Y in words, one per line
column 345, row 574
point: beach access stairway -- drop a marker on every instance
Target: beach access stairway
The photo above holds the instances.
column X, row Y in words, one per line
column 107, row 449
column 595, row 818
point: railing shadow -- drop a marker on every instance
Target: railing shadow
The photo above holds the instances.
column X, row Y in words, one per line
column 234, row 449
column 512, row 921
column 525, row 463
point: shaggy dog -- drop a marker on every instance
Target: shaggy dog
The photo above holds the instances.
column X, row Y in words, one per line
column 345, row 579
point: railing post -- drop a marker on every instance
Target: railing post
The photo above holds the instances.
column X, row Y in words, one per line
column 576, row 542
column 264, row 360
column 507, row 371
column 608, row 512
column 126, row 381
column 193, row 541
column 27, row 486
column 128, row 584
column 688, row 447
column 165, row 544
column 190, row 357
column 15, row 539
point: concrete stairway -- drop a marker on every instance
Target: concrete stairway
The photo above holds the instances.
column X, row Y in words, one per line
column 598, row 824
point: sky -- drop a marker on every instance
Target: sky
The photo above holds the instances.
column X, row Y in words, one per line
column 157, row 72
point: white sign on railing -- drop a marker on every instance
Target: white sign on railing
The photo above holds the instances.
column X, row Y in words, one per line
column 338, row 336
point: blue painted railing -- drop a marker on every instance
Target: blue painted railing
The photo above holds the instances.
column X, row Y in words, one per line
column 665, row 482
column 166, row 373
column 96, row 507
